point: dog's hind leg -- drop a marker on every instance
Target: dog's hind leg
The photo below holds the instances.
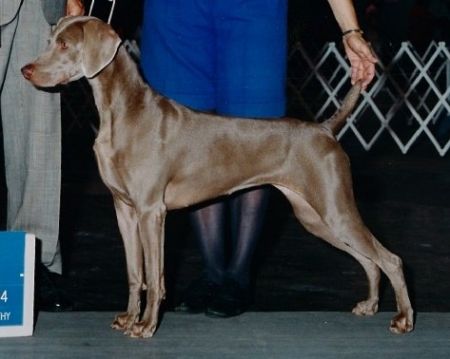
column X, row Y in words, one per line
column 128, row 225
column 308, row 217
column 363, row 242
column 350, row 235
column 392, row 266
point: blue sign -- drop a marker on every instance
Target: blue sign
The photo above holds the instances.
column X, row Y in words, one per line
column 12, row 275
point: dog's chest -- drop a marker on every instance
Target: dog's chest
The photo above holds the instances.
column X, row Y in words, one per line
column 109, row 172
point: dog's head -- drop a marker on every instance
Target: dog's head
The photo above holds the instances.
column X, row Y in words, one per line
column 79, row 46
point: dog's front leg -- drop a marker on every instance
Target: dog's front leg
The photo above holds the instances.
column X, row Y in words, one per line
column 128, row 225
column 151, row 231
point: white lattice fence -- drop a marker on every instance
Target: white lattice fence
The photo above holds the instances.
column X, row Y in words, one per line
column 409, row 98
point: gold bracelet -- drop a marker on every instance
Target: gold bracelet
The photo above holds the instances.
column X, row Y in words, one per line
column 359, row 31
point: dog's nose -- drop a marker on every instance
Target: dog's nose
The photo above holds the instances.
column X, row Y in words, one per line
column 27, row 71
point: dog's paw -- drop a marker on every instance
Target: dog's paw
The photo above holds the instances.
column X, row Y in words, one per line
column 366, row 308
column 401, row 324
column 141, row 330
column 123, row 321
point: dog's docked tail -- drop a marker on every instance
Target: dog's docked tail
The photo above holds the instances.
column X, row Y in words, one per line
column 337, row 121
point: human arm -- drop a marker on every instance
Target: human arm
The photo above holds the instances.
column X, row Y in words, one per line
column 74, row 7
column 359, row 52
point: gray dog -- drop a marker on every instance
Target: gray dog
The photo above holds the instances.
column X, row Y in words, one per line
column 156, row 155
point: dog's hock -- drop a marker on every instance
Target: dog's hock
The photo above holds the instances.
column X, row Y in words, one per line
column 101, row 44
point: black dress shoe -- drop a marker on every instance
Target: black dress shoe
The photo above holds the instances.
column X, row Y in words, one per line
column 230, row 300
column 196, row 296
column 51, row 296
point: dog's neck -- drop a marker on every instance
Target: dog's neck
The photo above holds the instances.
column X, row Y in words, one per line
column 118, row 91
column 119, row 83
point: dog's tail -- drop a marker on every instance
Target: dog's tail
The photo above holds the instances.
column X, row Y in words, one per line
column 337, row 121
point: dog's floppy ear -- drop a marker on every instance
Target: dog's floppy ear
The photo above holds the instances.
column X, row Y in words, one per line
column 100, row 45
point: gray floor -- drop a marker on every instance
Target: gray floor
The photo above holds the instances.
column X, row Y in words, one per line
column 252, row 335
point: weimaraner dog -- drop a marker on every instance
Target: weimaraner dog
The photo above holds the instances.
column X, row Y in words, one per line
column 156, row 155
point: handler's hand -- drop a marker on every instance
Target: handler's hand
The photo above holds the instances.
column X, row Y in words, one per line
column 74, row 8
column 361, row 57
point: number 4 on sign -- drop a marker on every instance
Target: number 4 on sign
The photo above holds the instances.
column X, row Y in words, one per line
column 4, row 296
